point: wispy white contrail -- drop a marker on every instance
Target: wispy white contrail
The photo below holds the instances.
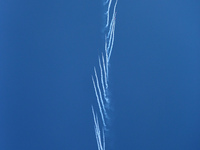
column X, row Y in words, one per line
column 105, row 78
column 102, row 86
column 104, row 70
column 100, row 95
column 106, row 53
column 108, row 11
column 113, row 37
column 102, row 81
column 100, row 109
column 98, row 132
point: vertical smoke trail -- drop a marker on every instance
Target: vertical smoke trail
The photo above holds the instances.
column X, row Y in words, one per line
column 102, row 86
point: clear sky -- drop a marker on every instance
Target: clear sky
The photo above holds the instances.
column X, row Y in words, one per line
column 47, row 53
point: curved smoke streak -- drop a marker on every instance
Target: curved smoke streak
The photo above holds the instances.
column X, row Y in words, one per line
column 100, row 82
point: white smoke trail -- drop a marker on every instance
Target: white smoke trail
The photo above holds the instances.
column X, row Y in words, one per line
column 108, row 11
column 98, row 132
column 100, row 95
column 106, row 72
column 102, row 86
column 100, row 109
column 102, row 81
column 105, row 78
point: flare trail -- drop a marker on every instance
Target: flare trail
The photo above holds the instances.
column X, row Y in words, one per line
column 100, row 82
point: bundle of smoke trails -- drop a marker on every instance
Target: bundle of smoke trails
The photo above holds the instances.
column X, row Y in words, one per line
column 100, row 81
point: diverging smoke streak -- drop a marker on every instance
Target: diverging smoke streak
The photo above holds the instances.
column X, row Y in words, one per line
column 100, row 82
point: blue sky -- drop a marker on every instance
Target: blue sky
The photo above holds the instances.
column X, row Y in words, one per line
column 47, row 53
